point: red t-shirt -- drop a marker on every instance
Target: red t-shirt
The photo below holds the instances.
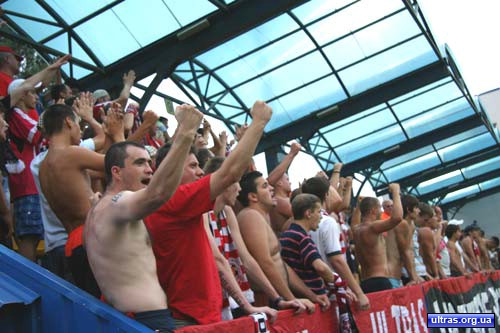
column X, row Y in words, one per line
column 184, row 259
column 5, row 80
column 24, row 140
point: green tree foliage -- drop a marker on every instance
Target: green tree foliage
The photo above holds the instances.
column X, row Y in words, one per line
column 32, row 62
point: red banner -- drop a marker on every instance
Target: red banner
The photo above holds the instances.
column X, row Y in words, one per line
column 397, row 310
column 287, row 322
column 478, row 294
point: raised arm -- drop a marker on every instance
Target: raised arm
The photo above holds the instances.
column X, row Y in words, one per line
column 346, row 193
column 128, row 82
column 234, row 166
column 397, row 212
column 281, row 169
column 43, row 76
column 149, row 120
column 83, row 106
column 137, row 205
column 334, row 179
column 356, row 214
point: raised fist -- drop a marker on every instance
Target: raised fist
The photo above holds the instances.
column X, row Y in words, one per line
column 188, row 117
column 261, row 111
column 394, row 188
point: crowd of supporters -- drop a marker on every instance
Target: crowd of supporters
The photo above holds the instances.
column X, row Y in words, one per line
column 177, row 233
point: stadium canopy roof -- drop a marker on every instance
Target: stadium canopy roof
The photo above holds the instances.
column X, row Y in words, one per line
column 358, row 82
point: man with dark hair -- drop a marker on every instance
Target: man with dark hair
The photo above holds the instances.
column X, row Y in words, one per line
column 457, row 264
column 229, row 248
column 281, row 214
column 425, row 253
column 256, row 196
column 63, row 173
column 368, row 236
column 399, row 247
column 471, row 247
column 298, row 249
column 118, row 243
column 329, row 238
column 193, row 287
column 60, row 92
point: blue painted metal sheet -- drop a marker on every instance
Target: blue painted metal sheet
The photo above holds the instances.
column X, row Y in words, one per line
column 65, row 308
column 12, row 292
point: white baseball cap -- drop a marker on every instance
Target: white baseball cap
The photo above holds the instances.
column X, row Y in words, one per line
column 455, row 222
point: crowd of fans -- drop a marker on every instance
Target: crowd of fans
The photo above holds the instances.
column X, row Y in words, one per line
column 176, row 233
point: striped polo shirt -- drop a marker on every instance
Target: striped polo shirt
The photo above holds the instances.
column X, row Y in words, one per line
column 299, row 252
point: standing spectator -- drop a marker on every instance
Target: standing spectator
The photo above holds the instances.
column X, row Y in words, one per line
column 193, row 287
column 457, row 263
column 10, row 63
column 281, row 214
column 25, row 139
column 298, row 249
column 368, row 236
column 256, row 197
column 329, row 237
column 492, row 245
column 387, row 209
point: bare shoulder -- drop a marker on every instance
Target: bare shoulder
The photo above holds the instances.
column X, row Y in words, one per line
column 248, row 214
column 425, row 232
column 110, row 204
column 403, row 226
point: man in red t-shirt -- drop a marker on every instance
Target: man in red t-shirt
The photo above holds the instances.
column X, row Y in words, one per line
column 10, row 62
column 186, row 267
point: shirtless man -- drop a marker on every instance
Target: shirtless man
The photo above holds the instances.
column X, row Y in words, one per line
column 399, row 248
column 281, row 214
column 457, row 264
column 225, row 237
column 255, row 227
column 471, row 247
column 117, row 241
column 63, row 174
column 369, row 240
column 426, row 239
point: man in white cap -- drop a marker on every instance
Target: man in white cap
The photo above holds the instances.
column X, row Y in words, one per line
column 103, row 100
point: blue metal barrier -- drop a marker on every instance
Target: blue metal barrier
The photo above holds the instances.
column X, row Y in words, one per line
column 61, row 308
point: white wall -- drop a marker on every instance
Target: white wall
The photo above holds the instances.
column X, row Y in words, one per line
column 491, row 104
column 486, row 211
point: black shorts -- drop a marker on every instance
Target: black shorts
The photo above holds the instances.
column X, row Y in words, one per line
column 375, row 284
column 158, row 320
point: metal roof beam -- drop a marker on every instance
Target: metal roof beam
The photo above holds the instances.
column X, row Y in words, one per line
column 459, row 163
column 307, row 126
column 460, row 185
column 414, row 144
column 164, row 55
column 462, row 201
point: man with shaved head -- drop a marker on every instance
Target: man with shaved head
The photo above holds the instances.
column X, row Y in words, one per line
column 370, row 243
